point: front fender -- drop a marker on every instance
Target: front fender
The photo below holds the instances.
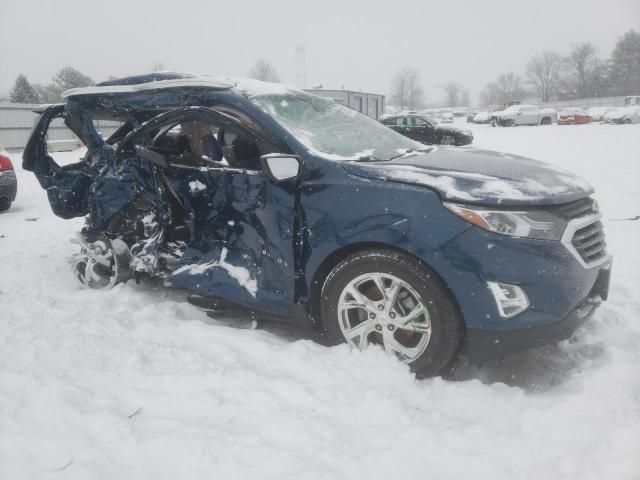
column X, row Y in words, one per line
column 352, row 211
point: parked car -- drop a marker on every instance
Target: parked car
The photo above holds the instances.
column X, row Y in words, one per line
column 523, row 115
column 445, row 117
column 573, row 116
column 8, row 181
column 423, row 128
column 470, row 115
column 597, row 114
column 482, row 117
column 624, row 115
column 298, row 208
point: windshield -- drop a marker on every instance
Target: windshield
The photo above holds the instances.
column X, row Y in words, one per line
column 333, row 131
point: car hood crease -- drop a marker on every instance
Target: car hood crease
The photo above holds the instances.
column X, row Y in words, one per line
column 481, row 177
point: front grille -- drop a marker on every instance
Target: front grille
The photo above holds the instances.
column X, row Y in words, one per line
column 577, row 209
column 589, row 242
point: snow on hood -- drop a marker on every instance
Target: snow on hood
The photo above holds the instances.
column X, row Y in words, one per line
column 621, row 113
column 481, row 177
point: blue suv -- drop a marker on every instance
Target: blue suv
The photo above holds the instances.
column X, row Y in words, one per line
column 299, row 209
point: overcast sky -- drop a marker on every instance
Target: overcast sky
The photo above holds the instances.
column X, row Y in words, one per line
column 356, row 44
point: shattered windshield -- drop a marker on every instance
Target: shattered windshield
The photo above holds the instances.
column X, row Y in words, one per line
column 333, row 131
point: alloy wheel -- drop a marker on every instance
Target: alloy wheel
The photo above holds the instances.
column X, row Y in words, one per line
column 102, row 263
column 380, row 308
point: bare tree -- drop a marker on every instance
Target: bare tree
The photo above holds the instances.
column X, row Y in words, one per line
column 507, row 88
column 406, row 91
column 510, row 87
column 263, row 70
column 544, row 73
column 454, row 93
column 158, row 67
column 585, row 73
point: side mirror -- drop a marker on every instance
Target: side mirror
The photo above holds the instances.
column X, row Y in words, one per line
column 281, row 166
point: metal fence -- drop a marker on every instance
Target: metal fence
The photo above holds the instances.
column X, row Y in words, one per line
column 586, row 103
column 17, row 119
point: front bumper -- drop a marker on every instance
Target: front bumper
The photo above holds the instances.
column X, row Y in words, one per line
column 8, row 186
column 559, row 287
column 483, row 345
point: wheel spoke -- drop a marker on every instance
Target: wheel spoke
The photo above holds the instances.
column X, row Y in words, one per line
column 392, row 346
column 361, row 333
column 418, row 327
column 392, row 293
column 417, row 311
column 104, row 259
column 377, row 279
column 360, row 299
column 93, row 275
column 86, row 274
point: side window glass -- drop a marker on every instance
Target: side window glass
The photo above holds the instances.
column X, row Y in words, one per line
column 401, row 121
column 417, row 122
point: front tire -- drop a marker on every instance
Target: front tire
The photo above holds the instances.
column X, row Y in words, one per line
column 4, row 206
column 102, row 263
column 448, row 140
column 381, row 297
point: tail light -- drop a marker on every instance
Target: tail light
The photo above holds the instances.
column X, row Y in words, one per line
column 5, row 163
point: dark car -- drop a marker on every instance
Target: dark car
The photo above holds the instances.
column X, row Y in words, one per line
column 424, row 130
column 8, row 182
column 300, row 209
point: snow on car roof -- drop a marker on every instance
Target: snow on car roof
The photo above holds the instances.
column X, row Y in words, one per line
column 247, row 86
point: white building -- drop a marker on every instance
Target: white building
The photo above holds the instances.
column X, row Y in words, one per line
column 371, row 104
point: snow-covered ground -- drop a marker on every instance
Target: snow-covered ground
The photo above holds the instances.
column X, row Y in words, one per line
column 136, row 383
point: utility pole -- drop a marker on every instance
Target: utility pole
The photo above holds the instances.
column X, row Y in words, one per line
column 301, row 66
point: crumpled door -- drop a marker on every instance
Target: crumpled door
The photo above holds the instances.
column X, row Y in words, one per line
column 243, row 246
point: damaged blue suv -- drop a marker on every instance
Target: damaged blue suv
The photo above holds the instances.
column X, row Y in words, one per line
column 297, row 208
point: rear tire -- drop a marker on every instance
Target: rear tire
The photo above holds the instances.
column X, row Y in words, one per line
column 4, row 205
column 545, row 121
column 384, row 297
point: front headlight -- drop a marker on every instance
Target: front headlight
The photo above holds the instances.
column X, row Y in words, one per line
column 536, row 224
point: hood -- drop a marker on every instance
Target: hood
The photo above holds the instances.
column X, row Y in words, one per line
column 448, row 128
column 480, row 177
column 622, row 113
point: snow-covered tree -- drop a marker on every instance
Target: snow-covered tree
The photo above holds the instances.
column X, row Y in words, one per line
column 406, row 91
column 69, row 77
column 22, row 91
column 263, row 70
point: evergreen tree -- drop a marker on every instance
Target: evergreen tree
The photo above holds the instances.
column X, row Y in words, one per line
column 625, row 65
column 22, row 91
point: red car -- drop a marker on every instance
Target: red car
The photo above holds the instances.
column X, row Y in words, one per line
column 573, row 116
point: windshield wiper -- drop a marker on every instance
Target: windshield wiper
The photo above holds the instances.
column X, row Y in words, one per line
column 411, row 150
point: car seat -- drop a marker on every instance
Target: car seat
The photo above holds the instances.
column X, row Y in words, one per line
column 239, row 151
